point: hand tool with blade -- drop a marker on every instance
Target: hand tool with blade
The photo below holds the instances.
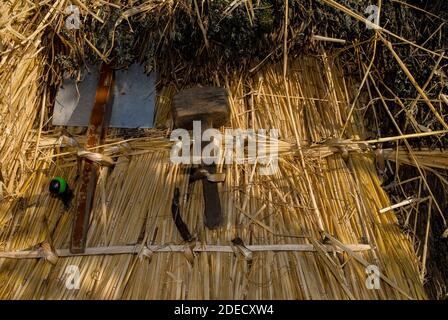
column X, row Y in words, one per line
column 104, row 98
column 210, row 106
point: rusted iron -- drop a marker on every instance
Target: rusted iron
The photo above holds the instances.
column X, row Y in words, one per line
column 96, row 131
column 180, row 224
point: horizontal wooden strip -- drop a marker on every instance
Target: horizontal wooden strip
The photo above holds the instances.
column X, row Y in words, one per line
column 35, row 254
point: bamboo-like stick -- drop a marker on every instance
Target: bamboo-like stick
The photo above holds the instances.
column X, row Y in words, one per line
column 425, row 247
column 137, row 249
column 402, row 204
column 328, row 39
column 404, row 137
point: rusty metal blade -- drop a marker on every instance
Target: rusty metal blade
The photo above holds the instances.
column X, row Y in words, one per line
column 96, row 131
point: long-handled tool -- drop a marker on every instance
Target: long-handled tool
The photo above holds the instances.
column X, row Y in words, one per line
column 123, row 99
column 99, row 120
column 210, row 106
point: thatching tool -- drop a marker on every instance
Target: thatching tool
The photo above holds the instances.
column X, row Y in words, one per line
column 180, row 224
column 99, row 120
column 210, row 106
column 122, row 99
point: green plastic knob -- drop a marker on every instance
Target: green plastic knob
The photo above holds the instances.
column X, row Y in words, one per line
column 58, row 185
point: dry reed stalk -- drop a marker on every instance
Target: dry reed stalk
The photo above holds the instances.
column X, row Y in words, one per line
column 411, row 153
column 402, row 204
column 435, row 159
column 328, row 39
column 414, row 82
column 405, row 137
column 416, row 8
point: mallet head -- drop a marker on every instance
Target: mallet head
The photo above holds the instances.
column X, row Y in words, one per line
column 206, row 104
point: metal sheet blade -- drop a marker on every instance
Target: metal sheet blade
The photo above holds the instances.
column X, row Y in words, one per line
column 133, row 99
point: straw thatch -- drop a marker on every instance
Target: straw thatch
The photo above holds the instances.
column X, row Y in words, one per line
column 309, row 231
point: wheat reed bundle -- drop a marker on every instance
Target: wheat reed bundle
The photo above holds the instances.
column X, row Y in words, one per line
column 133, row 205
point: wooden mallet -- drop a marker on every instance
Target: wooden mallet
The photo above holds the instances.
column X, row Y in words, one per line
column 210, row 106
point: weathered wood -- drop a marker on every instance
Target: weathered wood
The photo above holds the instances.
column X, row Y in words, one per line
column 136, row 249
column 207, row 104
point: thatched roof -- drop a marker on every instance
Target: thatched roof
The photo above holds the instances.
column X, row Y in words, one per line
column 309, row 231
